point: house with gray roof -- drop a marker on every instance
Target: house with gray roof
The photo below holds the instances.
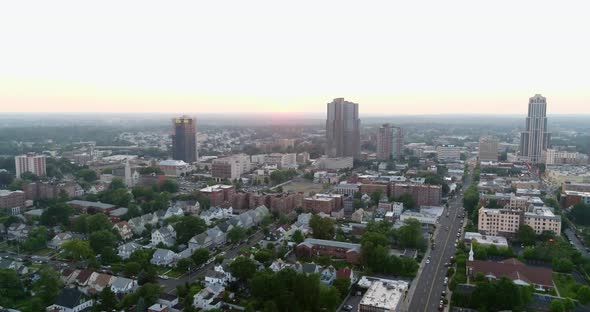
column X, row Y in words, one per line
column 125, row 250
column 71, row 300
column 200, row 241
column 123, row 285
column 163, row 257
column 165, row 235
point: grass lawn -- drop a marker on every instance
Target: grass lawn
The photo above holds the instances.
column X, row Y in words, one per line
column 175, row 274
column 303, row 186
column 566, row 285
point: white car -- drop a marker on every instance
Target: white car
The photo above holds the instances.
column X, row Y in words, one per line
column 164, row 277
column 427, row 261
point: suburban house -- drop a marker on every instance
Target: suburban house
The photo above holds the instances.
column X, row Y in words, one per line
column 165, row 235
column 18, row 232
column 123, row 285
column 71, row 300
column 59, row 239
column 328, row 275
column 124, row 230
column 279, row 265
column 216, row 213
column 217, row 236
column 138, row 223
column 200, row 241
column 125, row 250
column 99, row 281
column 163, row 257
column 340, row 250
column 209, row 298
column 218, row 276
column 174, row 211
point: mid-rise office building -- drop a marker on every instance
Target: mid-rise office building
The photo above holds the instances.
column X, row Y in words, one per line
column 488, row 149
column 30, row 163
column 343, row 129
column 282, row 161
column 557, row 157
column 390, row 141
column 535, row 138
column 448, row 153
column 508, row 221
column 231, row 167
column 184, row 139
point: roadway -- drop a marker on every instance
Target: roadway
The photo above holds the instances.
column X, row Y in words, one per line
column 429, row 284
column 170, row 284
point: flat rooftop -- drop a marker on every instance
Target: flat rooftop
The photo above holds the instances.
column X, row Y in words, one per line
column 384, row 294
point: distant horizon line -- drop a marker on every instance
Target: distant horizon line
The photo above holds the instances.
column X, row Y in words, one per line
column 280, row 113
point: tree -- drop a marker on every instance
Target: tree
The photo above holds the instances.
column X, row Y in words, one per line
column 200, row 256
column 6, row 179
column 188, row 227
column 184, row 264
column 580, row 213
column 322, row 228
column 37, row 239
column 29, row 176
column 242, row 268
column 87, row 175
column 117, row 183
column 48, row 285
column 77, row 250
column 107, row 300
column 583, row 294
column 297, row 237
column 563, row 265
column 101, row 240
column 407, row 200
column 11, row 288
column 236, row 234
column 169, row 186
column 342, row 284
column 556, row 306
column 57, row 214
column 132, row 268
column 410, row 235
column 526, row 235
column 376, row 197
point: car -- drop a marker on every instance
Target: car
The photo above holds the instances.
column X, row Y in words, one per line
column 347, row 307
column 445, row 283
column 164, row 277
column 427, row 261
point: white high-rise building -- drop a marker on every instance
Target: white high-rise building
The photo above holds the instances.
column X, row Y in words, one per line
column 535, row 138
column 30, row 163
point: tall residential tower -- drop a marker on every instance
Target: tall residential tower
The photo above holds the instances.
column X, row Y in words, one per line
column 184, row 139
column 535, row 138
column 343, row 129
column 390, row 140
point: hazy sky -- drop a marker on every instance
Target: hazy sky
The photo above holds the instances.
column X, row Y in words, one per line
column 393, row 57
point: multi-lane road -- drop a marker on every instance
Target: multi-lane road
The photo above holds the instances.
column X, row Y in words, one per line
column 429, row 285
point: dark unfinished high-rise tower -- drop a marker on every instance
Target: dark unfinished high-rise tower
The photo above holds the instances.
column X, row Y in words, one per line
column 184, row 139
column 343, row 129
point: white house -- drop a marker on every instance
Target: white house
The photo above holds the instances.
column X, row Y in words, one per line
column 125, row 250
column 165, row 235
column 200, row 241
column 174, row 211
column 59, row 239
column 209, row 298
column 218, row 276
column 216, row 213
column 163, row 257
column 124, row 230
column 71, row 300
column 123, row 285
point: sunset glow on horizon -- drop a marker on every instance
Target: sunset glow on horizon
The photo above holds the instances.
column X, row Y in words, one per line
column 265, row 56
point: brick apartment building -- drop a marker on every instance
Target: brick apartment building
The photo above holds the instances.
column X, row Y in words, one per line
column 423, row 194
column 285, row 203
column 12, row 202
column 326, row 203
column 371, row 188
column 47, row 190
column 84, row 206
column 340, row 250
column 219, row 193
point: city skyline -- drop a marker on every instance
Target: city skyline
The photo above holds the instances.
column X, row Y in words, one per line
column 259, row 57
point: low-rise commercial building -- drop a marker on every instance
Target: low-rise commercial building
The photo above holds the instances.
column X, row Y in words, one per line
column 382, row 295
column 174, row 168
column 486, row 240
column 340, row 250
